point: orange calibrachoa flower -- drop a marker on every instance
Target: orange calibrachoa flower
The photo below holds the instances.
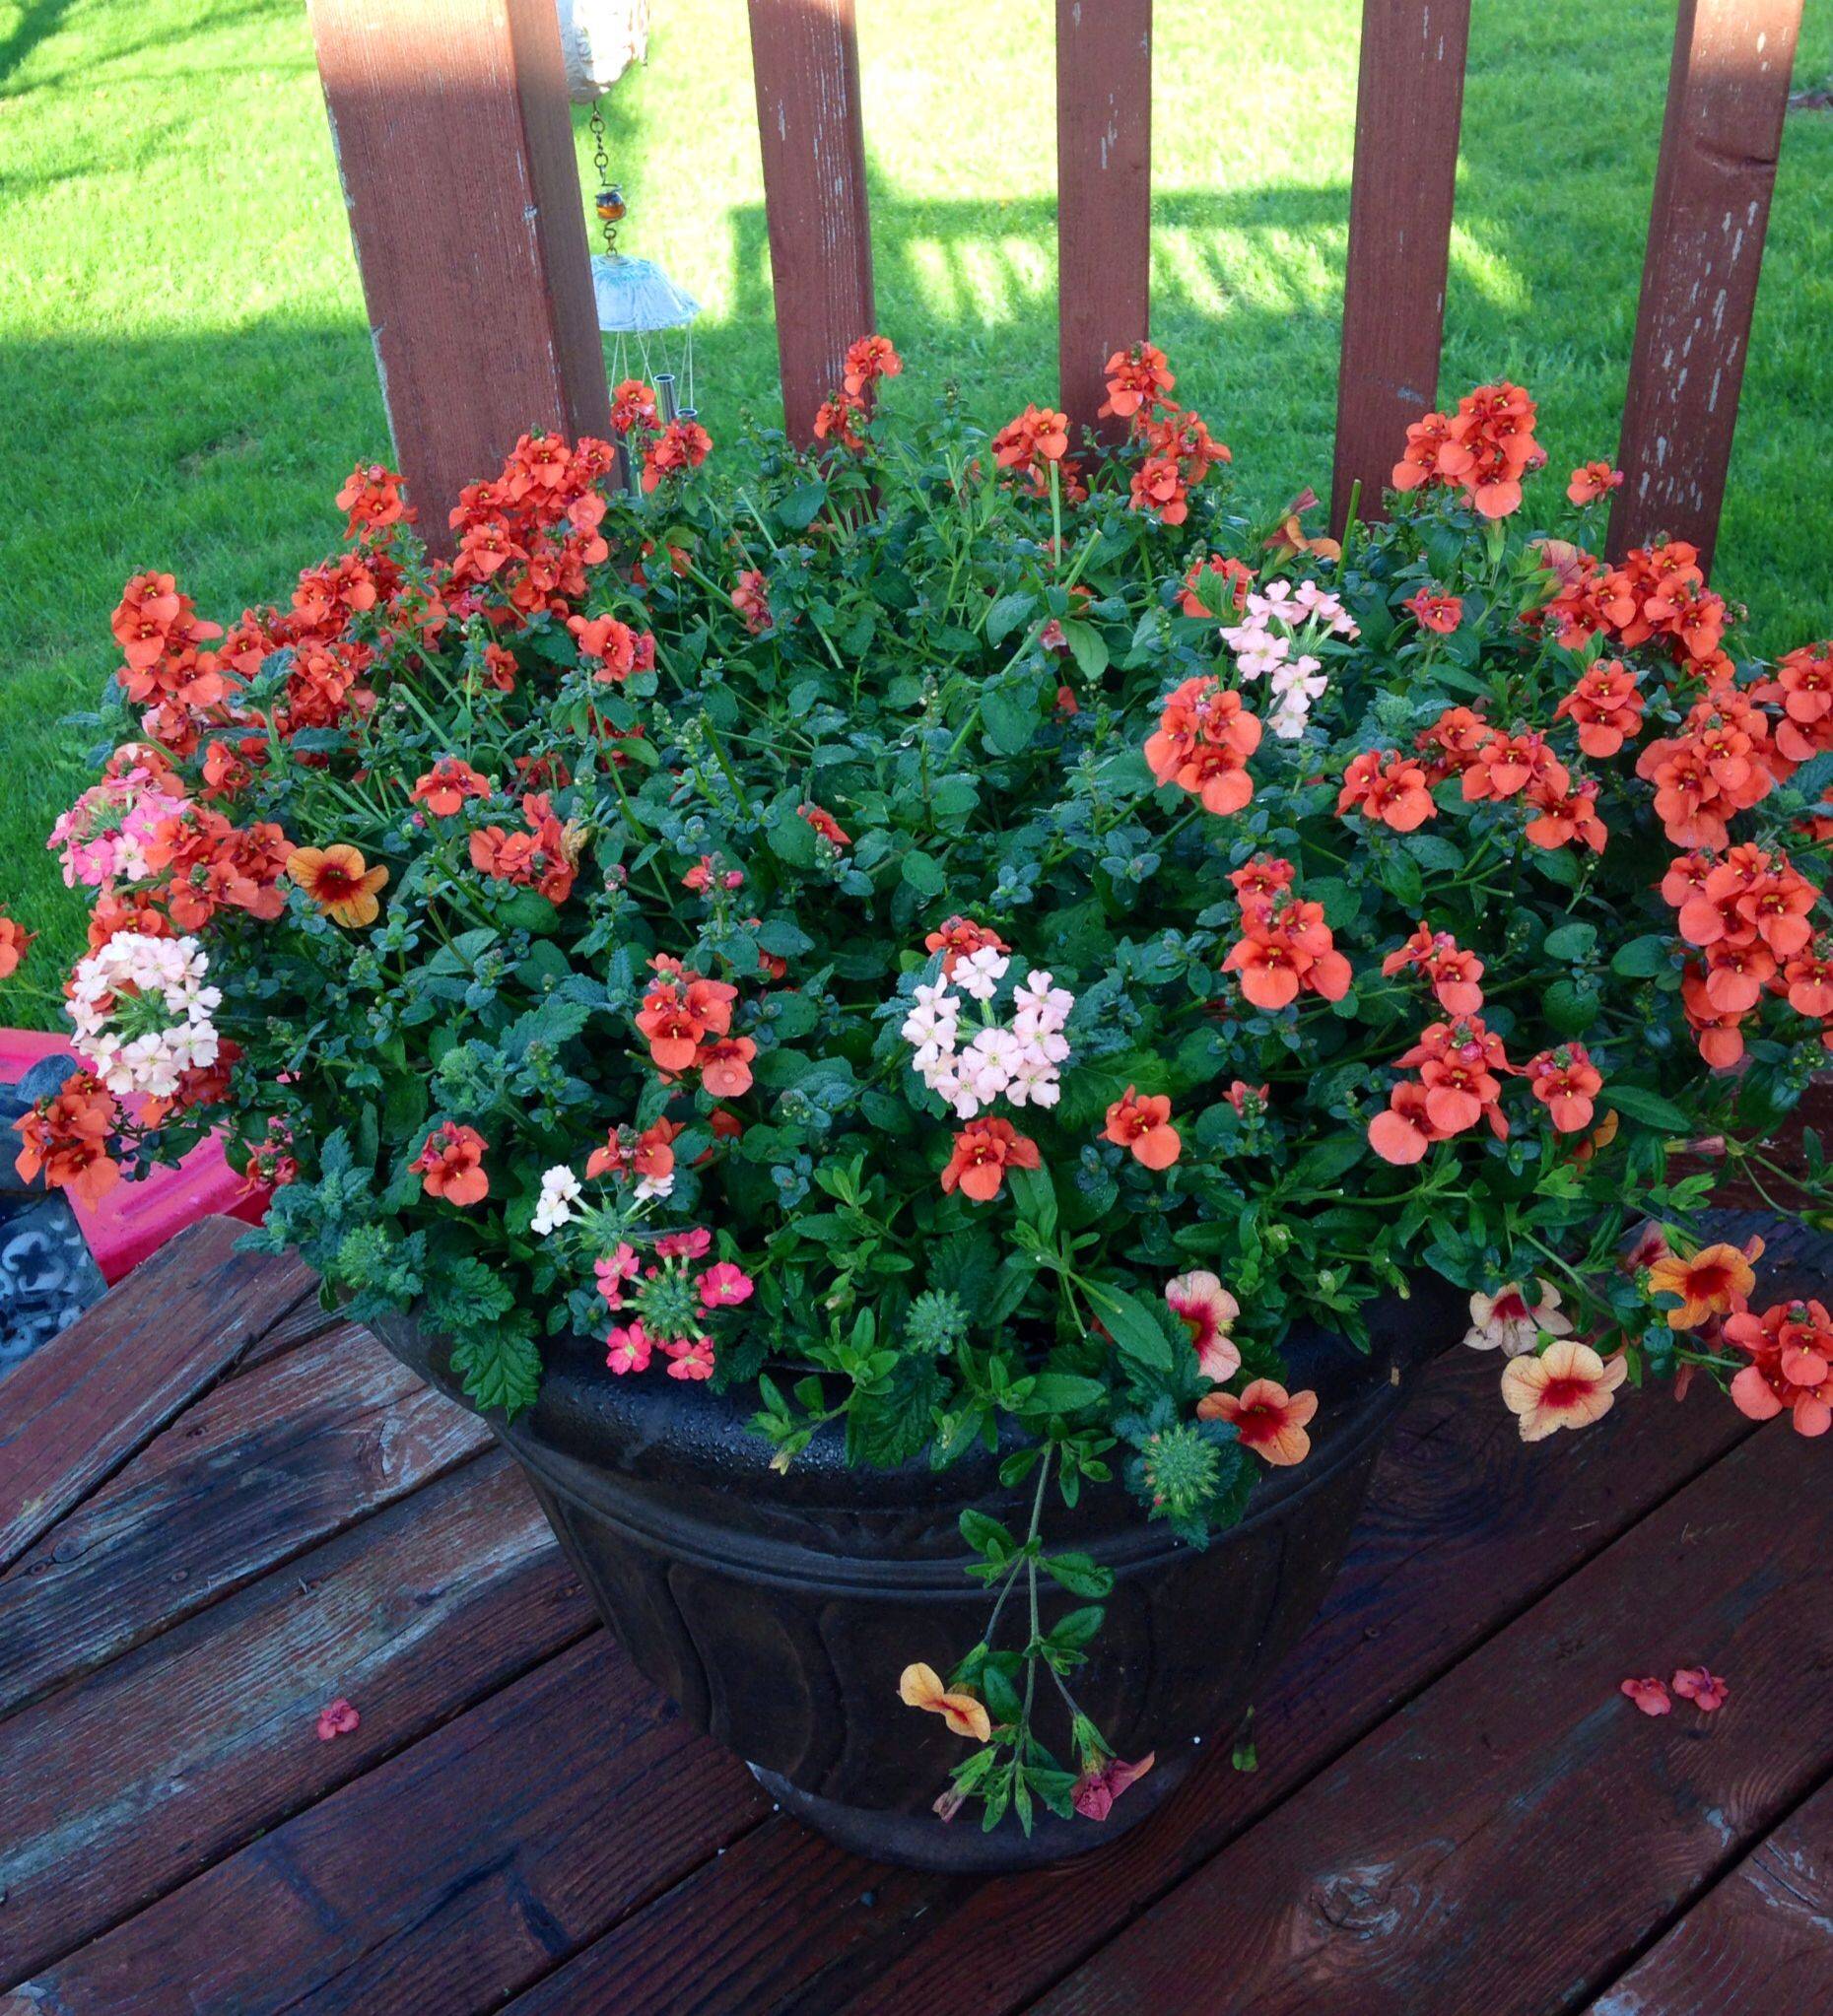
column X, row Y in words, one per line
column 443, row 789
column 1267, row 1419
column 983, row 1151
column 1202, row 742
column 1567, row 1386
column 1143, row 1127
column 1206, row 1310
column 1791, row 1349
column 66, row 1139
column 451, row 1165
column 921, row 1686
column 339, row 882
column 1716, row 1281
column 15, row 942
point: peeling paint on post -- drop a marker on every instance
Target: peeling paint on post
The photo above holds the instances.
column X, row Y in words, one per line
column 1726, row 96
column 1409, row 108
column 455, row 147
column 1104, row 195
column 805, row 55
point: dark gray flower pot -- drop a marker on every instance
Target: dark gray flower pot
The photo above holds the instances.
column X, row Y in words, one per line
column 778, row 1611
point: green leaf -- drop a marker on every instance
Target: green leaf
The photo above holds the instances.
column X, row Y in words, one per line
column 1062, row 1392
column 1132, row 1326
column 1650, row 1108
column 1006, row 614
column 1400, row 877
column 1035, row 1198
column 986, row 1535
column 801, row 506
column 1570, row 1009
column 500, row 1367
column 1010, row 719
column 791, row 837
column 1642, row 959
column 1078, row 1574
column 1572, row 941
column 923, row 872
column 1087, row 647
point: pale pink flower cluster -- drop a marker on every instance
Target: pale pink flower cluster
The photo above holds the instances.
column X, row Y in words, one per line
column 1019, row 1061
column 104, row 836
column 1275, row 620
column 141, row 1012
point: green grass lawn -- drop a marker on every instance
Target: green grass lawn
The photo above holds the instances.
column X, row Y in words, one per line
column 189, row 373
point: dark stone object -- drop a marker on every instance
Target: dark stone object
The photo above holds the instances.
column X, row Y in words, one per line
column 47, row 1275
column 778, row 1611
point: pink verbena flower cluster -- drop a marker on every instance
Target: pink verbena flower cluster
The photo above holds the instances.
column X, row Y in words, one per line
column 104, row 837
column 1275, row 639
column 670, row 1303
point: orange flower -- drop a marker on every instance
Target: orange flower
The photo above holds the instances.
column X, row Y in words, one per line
column 448, row 785
column 921, row 1686
column 372, row 495
column 1267, row 1420
column 1436, row 611
column 1387, row 787
column 1206, row 1310
column 66, row 1139
column 1607, row 706
column 1202, row 742
column 983, row 1151
column 751, row 599
column 956, row 937
column 1593, row 480
column 1138, row 382
column 1144, row 1126
column 1567, row 1386
column 339, row 881
column 825, row 825
column 451, row 1165
column 868, row 359
column 1234, row 579
column 15, row 940
column 1716, row 1281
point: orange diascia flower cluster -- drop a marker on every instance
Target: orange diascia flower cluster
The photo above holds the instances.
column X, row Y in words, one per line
column 1494, row 768
column 1285, row 948
column 1749, row 913
column 1202, row 742
column 844, row 416
column 66, row 1139
column 686, row 1020
column 545, row 857
column 1179, row 449
column 1654, row 593
column 1484, row 448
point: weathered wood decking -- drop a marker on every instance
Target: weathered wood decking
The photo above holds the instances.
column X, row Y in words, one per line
column 220, row 1510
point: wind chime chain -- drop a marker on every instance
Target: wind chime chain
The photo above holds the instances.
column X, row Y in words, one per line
column 610, row 203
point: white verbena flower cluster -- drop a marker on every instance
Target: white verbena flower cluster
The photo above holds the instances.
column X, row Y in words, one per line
column 561, row 1190
column 1273, row 622
column 1019, row 1061
column 141, row 1012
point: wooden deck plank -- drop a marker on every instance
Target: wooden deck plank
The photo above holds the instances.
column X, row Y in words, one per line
column 1505, row 1842
column 266, row 1465
column 1464, row 1527
column 1760, row 1943
column 177, row 1754
column 450, row 1876
column 74, row 1412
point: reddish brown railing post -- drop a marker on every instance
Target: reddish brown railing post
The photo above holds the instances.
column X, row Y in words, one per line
column 806, row 58
column 1409, row 105
column 1103, row 194
column 1727, row 94
column 454, row 141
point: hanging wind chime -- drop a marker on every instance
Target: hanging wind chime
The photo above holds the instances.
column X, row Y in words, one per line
column 648, row 318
